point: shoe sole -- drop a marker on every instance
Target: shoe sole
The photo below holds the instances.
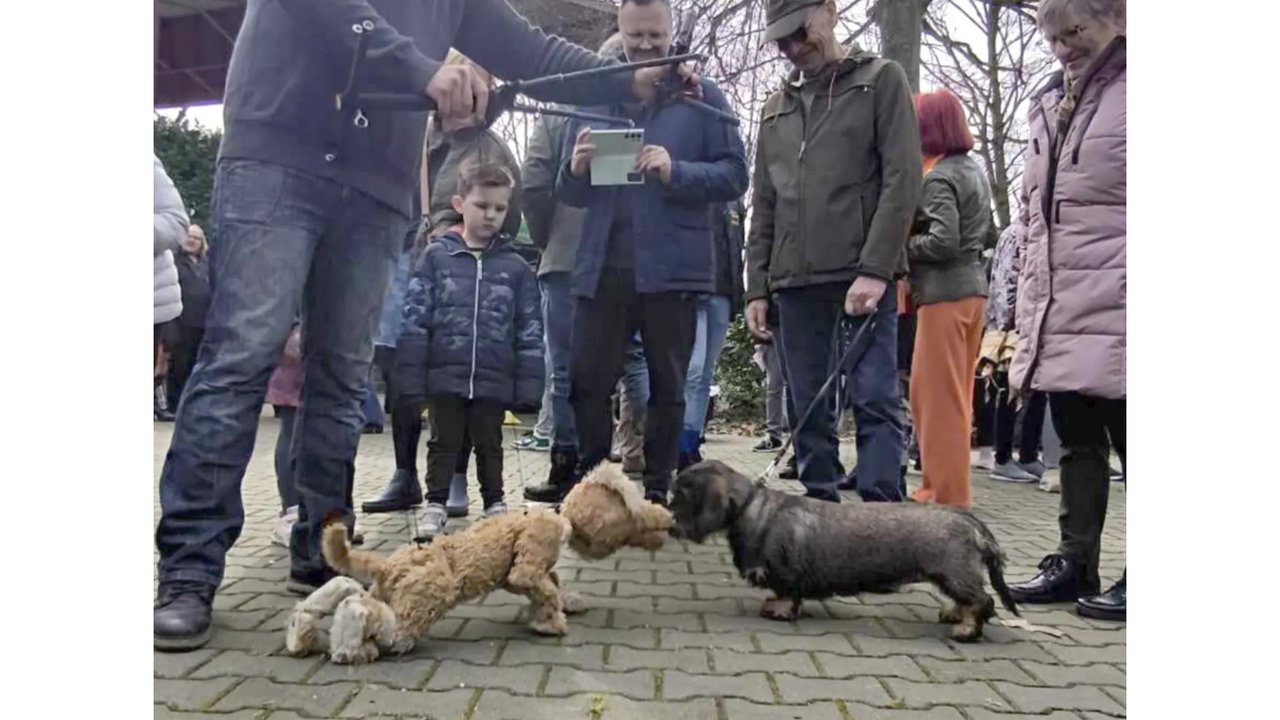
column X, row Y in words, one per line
column 1011, row 479
column 457, row 512
column 1095, row 614
column 766, row 450
column 368, row 509
column 178, row 644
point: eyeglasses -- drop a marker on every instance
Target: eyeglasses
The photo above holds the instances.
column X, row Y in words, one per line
column 799, row 36
column 1066, row 36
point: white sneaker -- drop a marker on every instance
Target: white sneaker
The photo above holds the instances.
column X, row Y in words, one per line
column 284, row 526
column 986, row 459
column 431, row 520
column 1010, row 472
column 498, row 508
column 1052, row 481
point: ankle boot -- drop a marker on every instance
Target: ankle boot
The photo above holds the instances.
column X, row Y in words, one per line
column 560, row 480
column 402, row 492
column 1110, row 605
column 1061, row 579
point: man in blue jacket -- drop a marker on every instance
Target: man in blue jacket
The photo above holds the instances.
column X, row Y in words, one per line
column 646, row 254
column 309, row 212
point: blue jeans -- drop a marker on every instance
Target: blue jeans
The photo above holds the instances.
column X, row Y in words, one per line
column 558, row 303
column 809, row 340
column 708, row 341
column 279, row 241
column 635, row 373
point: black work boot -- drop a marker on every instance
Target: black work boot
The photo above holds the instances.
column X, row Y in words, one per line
column 1110, row 605
column 1061, row 579
column 563, row 476
column 183, row 616
column 402, row 492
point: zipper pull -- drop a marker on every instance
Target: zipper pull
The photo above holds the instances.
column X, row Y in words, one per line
column 803, row 144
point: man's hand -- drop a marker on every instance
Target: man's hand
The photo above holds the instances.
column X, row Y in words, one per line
column 645, row 82
column 459, row 92
column 583, row 151
column 655, row 160
column 757, row 319
column 863, row 296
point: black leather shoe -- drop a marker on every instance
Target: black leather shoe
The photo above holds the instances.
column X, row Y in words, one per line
column 1061, row 579
column 1110, row 605
column 790, row 471
column 560, row 480
column 307, row 583
column 183, row 616
column 402, row 492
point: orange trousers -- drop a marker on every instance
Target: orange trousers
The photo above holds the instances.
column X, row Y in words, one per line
column 948, row 338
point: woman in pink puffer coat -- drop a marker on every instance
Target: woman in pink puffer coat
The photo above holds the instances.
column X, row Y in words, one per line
column 1071, row 293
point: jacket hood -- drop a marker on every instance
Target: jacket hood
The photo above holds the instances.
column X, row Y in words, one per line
column 501, row 242
column 854, row 56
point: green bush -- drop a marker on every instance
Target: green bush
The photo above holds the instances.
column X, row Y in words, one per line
column 741, row 381
column 189, row 152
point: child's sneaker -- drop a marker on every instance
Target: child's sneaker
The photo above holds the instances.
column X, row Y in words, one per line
column 431, row 520
column 534, row 442
column 1010, row 472
column 498, row 508
column 769, row 444
column 1052, row 481
column 284, row 526
column 1035, row 467
column 986, row 459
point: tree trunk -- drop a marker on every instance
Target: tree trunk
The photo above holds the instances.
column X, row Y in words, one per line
column 900, row 23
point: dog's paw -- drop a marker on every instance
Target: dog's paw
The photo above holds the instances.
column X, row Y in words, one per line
column 967, row 630
column 950, row 615
column 756, row 576
column 779, row 609
column 572, row 603
column 366, row 653
column 550, row 624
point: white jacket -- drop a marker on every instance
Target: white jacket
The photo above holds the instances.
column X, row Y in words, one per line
column 170, row 221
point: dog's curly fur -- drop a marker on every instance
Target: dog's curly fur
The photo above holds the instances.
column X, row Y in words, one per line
column 607, row 511
column 415, row 585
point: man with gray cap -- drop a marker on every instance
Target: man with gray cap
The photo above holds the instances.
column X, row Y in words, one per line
column 837, row 180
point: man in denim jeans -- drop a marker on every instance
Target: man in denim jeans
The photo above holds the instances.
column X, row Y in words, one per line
column 309, row 210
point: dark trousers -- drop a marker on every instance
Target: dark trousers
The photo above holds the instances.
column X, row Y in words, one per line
column 1030, row 417
column 182, row 358
column 602, row 327
column 280, row 241
column 1088, row 427
column 453, row 421
column 284, row 466
column 809, row 336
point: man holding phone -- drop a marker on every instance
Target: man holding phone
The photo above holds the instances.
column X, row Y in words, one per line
column 646, row 252
column 309, row 212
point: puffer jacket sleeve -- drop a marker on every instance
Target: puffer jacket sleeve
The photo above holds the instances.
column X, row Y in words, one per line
column 722, row 175
column 169, row 216
column 530, row 367
column 413, row 345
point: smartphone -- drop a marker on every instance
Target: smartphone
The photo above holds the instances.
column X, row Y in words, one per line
column 615, row 160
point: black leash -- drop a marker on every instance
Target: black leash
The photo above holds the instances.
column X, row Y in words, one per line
column 845, row 358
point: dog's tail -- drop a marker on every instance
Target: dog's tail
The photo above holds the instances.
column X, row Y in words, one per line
column 648, row 516
column 993, row 558
column 359, row 564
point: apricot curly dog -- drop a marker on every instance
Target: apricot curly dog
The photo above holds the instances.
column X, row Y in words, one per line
column 415, row 585
column 607, row 511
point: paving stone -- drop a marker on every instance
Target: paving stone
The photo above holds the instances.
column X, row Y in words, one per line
column 770, row 642
column 1042, row 700
column 690, row 660
column 602, row 588
column 497, row 705
column 176, row 665
column 844, row 666
column 635, row 589
column 1064, row 675
column 984, row 714
column 374, row 700
column 587, row 657
column 222, row 603
column 247, row 640
column 913, row 597
column 725, row 574
column 1002, row 651
column 857, row 611
column 397, row 672
column 590, row 574
column 454, row 675
column 237, row 663
column 265, row 601
column 1096, row 637
column 190, row 694
column 736, row 709
column 667, row 565
column 1116, row 693
column 950, row 671
column 1080, row 655
column 878, row 646
column 866, row 712
column 727, row 641
column 313, row 700
column 478, row 629
column 677, row 685
column 252, row 586
column 633, row 619
column 476, row 652
column 241, row 620
column 636, row 684
column 642, row 638
column 719, row 606
column 730, row 662
column 796, row 689
column 726, row 590
column 493, row 613
column 924, row 695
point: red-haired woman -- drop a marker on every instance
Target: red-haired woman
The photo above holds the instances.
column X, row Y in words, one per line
column 948, row 287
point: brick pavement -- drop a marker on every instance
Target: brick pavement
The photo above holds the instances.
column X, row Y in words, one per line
column 671, row 634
